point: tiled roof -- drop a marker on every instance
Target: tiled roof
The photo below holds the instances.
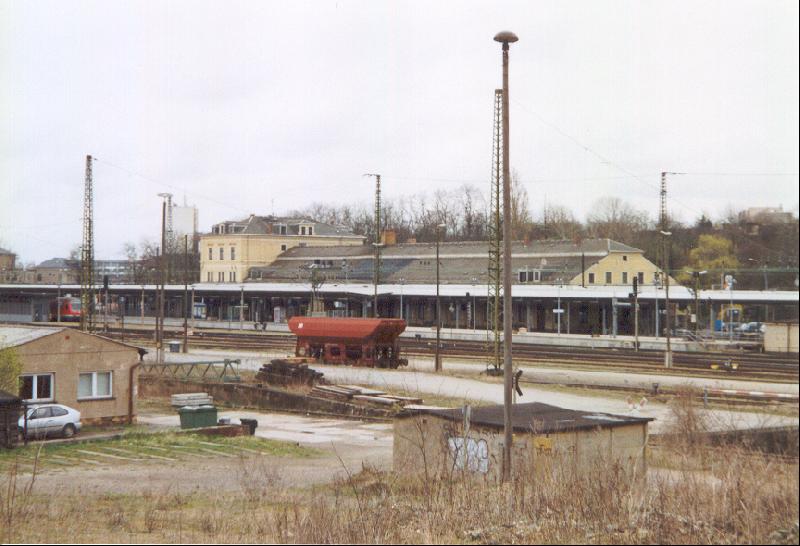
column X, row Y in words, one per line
column 261, row 225
column 461, row 262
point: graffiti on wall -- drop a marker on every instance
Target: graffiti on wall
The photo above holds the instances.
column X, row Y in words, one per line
column 474, row 456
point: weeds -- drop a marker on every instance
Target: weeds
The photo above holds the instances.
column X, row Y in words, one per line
column 702, row 494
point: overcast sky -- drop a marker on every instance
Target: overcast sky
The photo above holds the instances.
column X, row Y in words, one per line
column 260, row 106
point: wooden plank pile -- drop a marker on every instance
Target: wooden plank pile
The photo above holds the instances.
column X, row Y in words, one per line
column 289, row 373
column 191, row 399
column 363, row 396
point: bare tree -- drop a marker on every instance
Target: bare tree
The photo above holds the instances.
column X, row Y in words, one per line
column 520, row 211
column 613, row 218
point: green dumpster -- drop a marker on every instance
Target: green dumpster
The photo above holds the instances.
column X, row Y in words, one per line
column 198, row 416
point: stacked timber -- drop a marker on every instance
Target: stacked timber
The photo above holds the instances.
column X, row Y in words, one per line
column 363, row 396
column 289, row 373
column 191, row 399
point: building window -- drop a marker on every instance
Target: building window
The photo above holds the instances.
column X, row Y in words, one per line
column 210, row 253
column 94, row 385
column 283, row 247
column 233, row 253
column 624, row 258
column 232, row 276
column 302, row 230
column 221, row 253
column 37, row 387
column 310, row 230
column 608, row 277
column 624, row 277
column 523, row 276
column 591, row 278
column 210, row 277
column 221, row 276
column 537, row 276
column 640, row 276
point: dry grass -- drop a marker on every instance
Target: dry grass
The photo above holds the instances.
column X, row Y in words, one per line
column 697, row 495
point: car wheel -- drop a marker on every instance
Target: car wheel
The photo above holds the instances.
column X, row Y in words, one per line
column 68, row 431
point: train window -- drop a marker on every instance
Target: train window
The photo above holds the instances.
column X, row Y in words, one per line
column 353, row 352
column 334, row 350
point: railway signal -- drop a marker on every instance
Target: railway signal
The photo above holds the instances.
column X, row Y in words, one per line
column 635, row 297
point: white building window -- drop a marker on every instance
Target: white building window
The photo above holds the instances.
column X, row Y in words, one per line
column 36, row 387
column 94, row 385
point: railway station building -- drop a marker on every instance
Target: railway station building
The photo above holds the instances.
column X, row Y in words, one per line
column 234, row 247
column 559, row 286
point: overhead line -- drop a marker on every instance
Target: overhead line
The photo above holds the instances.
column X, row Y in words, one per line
column 173, row 186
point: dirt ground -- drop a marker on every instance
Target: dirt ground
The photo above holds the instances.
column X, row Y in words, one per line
column 339, row 447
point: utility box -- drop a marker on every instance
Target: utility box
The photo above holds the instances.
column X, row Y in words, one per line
column 198, row 416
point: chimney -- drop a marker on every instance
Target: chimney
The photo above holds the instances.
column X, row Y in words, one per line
column 389, row 237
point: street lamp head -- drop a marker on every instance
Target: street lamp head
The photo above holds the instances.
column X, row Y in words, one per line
column 505, row 37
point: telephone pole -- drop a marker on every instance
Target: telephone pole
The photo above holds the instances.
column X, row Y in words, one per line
column 506, row 38
column 162, row 279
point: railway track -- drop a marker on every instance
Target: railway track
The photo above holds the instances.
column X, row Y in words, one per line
column 750, row 366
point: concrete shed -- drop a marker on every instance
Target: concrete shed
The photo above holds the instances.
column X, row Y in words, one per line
column 440, row 441
column 781, row 337
column 87, row 372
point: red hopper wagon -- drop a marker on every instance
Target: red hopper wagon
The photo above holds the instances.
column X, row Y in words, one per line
column 368, row 342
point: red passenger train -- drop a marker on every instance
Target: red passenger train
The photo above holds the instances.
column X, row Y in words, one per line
column 70, row 309
column 368, row 342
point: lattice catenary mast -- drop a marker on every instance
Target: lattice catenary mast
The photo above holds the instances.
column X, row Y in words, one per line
column 87, row 253
column 494, row 308
column 376, row 245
